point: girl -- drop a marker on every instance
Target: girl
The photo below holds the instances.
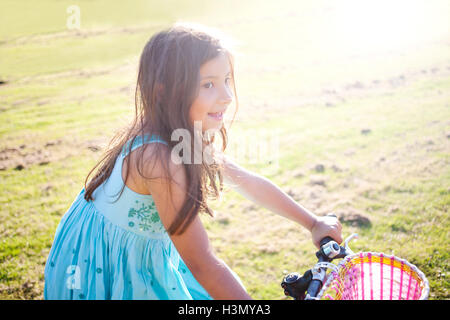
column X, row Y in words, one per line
column 134, row 232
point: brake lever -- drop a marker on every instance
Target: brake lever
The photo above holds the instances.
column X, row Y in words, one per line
column 349, row 251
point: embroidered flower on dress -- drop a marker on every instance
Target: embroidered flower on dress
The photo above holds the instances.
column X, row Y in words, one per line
column 145, row 217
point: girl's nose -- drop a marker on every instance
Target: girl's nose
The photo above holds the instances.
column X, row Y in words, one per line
column 226, row 95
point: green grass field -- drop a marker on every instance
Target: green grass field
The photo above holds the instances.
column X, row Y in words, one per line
column 361, row 116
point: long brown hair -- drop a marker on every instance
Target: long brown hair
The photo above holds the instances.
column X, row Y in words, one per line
column 167, row 84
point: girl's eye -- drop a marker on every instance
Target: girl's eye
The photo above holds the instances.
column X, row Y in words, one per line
column 207, row 85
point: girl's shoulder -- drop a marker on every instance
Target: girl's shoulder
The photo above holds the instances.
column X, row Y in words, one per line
column 145, row 162
column 157, row 162
column 154, row 155
column 159, row 170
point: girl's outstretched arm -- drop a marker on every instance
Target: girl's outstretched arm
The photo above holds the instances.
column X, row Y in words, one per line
column 193, row 245
column 266, row 194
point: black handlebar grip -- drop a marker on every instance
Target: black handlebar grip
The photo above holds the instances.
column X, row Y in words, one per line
column 314, row 288
column 325, row 240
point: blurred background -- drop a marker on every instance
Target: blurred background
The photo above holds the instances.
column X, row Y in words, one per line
column 343, row 104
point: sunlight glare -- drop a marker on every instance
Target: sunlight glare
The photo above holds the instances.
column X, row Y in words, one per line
column 381, row 25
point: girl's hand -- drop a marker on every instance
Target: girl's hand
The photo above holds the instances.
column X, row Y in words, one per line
column 326, row 226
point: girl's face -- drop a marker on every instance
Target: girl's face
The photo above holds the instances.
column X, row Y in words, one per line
column 215, row 93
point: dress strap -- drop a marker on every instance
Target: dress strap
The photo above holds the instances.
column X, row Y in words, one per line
column 138, row 141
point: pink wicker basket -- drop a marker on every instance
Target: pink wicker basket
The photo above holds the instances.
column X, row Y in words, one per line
column 375, row 276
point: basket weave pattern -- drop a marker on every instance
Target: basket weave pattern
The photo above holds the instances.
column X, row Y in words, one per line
column 375, row 276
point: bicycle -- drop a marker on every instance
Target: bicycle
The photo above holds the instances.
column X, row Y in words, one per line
column 359, row 276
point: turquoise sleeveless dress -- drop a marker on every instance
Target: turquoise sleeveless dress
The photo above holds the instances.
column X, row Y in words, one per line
column 117, row 250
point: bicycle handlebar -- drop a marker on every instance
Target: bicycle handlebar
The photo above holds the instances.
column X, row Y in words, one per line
column 329, row 250
column 308, row 286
